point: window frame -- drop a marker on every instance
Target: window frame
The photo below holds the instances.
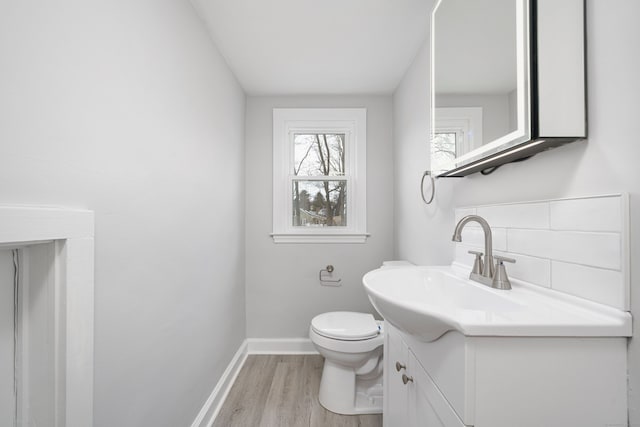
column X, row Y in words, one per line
column 348, row 121
column 466, row 123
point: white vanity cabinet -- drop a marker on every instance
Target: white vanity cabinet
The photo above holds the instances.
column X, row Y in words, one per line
column 427, row 406
column 504, row 381
column 416, row 401
column 396, row 394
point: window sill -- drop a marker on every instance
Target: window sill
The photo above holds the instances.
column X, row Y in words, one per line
column 319, row 238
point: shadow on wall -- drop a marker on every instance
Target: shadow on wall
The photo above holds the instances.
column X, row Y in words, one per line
column 550, row 174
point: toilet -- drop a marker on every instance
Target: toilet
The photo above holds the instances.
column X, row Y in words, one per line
column 352, row 345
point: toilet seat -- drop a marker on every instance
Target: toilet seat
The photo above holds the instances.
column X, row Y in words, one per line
column 352, row 347
column 346, row 326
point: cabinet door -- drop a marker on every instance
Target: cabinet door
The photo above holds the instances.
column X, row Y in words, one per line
column 427, row 406
column 396, row 396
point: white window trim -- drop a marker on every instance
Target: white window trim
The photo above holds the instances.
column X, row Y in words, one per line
column 465, row 120
column 353, row 123
column 466, row 123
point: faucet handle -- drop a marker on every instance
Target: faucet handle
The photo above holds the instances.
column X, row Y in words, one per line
column 500, row 259
column 500, row 278
column 477, row 263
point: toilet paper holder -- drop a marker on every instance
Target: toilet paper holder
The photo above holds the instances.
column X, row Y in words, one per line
column 323, row 278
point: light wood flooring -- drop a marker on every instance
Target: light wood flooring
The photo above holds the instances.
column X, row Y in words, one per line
column 282, row 391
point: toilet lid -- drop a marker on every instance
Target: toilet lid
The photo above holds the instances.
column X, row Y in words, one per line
column 345, row 325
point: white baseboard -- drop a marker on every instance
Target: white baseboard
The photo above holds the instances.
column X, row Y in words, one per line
column 280, row 346
column 212, row 406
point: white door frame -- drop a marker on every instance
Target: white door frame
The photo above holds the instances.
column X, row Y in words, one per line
column 72, row 232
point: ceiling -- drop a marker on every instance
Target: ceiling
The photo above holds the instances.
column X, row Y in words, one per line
column 288, row 47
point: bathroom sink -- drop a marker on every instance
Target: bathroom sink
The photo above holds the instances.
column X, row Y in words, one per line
column 427, row 302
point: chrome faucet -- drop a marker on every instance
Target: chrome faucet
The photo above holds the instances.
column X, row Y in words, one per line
column 484, row 272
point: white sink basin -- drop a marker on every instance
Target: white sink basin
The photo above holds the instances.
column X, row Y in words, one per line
column 427, row 302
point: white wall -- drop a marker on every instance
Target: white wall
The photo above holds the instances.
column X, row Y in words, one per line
column 125, row 108
column 420, row 230
column 606, row 163
column 283, row 292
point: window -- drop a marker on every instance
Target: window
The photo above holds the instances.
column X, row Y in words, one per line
column 443, row 145
column 319, row 172
column 458, row 132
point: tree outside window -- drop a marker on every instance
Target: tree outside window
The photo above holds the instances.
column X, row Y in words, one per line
column 318, row 201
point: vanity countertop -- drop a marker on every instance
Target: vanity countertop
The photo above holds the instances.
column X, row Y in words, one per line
column 427, row 302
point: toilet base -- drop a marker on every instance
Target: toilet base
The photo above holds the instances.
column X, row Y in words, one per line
column 343, row 392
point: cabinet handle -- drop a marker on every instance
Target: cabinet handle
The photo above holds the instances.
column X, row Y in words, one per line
column 406, row 379
column 400, row 366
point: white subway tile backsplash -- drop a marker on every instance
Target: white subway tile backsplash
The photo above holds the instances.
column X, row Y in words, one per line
column 529, row 242
column 576, row 246
column 594, row 249
column 589, row 214
column 596, row 284
column 463, row 256
column 534, row 215
column 474, row 236
column 529, row 269
column 499, row 239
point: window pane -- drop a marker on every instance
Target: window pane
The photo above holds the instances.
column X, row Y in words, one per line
column 318, row 154
column 443, row 148
column 319, row 203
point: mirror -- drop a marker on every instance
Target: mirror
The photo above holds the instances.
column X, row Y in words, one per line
column 484, row 81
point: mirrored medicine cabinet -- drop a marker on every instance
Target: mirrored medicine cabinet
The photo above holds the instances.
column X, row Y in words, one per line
column 507, row 81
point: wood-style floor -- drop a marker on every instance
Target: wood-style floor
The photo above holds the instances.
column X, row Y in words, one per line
column 282, row 391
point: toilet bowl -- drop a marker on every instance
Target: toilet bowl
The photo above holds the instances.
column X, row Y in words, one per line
column 351, row 344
